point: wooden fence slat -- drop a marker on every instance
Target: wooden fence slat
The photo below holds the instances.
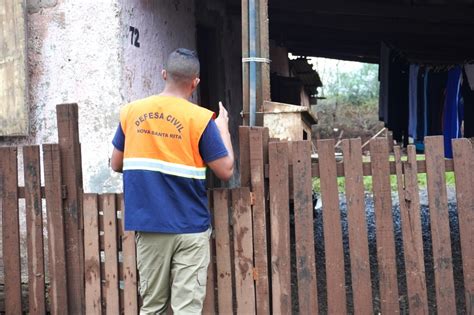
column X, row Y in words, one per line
column 243, row 251
column 120, row 235
column 129, row 261
column 358, row 238
column 10, row 229
column 280, row 228
column 389, row 302
column 68, row 139
column 259, row 221
column 93, row 294
column 209, row 307
column 464, row 170
column 438, row 201
column 108, row 207
column 244, row 161
column 332, row 228
column 223, row 258
column 56, row 237
column 407, row 183
column 34, row 229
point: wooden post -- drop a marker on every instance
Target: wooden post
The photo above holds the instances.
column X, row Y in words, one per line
column 223, row 257
column 358, row 239
column 68, row 136
column 34, row 228
column 280, row 227
column 259, row 221
column 332, row 228
column 411, row 228
column 129, row 255
column 243, row 251
column 56, row 233
column 10, row 229
column 304, row 229
column 439, row 216
column 92, row 255
column 464, row 168
column 111, row 281
column 379, row 149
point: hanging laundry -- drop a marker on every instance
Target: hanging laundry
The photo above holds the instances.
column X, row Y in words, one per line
column 420, row 116
column 412, row 100
column 437, row 81
column 383, row 78
column 451, row 123
column 398, row 98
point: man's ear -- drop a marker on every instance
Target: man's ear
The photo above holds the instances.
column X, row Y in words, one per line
column 196, row 83
column 164, row 74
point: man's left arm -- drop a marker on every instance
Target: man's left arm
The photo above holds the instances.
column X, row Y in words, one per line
column 116, row 161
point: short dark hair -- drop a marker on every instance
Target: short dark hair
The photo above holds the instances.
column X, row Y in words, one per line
column 182, row 65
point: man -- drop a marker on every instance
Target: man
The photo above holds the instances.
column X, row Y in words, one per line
column 163, row 144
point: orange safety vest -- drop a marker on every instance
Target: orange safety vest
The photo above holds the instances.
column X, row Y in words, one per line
column 162, row 134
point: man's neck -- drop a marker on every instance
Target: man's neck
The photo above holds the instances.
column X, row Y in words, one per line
column 172, row 91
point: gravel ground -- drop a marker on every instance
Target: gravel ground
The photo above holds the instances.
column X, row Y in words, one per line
column 320, row 263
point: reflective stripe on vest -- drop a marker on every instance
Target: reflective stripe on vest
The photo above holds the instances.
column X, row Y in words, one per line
column 164, row 167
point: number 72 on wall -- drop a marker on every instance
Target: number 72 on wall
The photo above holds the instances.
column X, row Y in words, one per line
column 134, row 36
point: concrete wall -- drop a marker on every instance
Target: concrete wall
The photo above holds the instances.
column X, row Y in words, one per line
column 83, row 52
column 162, row 26
column 74, row 55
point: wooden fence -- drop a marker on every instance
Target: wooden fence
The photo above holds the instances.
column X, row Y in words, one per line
column 265, row 250
column 54, row 269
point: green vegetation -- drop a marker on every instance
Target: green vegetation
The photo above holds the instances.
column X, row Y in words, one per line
column 422, row 182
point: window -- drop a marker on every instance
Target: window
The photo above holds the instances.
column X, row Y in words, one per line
column 13, row 105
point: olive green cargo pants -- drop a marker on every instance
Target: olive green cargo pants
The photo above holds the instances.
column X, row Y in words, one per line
column 173, row 268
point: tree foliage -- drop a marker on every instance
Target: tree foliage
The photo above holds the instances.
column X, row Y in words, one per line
column 353, row 87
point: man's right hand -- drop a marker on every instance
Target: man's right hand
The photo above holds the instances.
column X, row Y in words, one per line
column 222, row 121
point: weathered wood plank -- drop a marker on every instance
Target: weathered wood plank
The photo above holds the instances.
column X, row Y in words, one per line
column 34, row 229
column 407, row 182
column 93, row 294
column 243, row 251
column 244, row 147
column 108, row 206
column 280, row 228
column 56, row 235
column 209, row 307
column 438, row 201
column 358, row 238
column 223, row 258
column 464, row 170
column 332, row 228
column 129, row 256
column 10, row 229
column 68, row 139
column 384, row 226
column 14, row 118
column 259, row 221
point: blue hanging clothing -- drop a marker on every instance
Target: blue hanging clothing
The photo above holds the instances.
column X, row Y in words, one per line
column 426, row 106
column 451, row 123
column 412, row 100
